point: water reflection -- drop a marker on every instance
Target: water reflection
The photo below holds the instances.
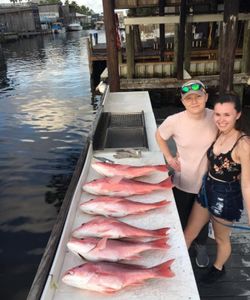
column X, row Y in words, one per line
column 45, row 116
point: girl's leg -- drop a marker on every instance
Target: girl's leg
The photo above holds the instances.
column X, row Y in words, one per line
column 198, row 218
column 222, row 238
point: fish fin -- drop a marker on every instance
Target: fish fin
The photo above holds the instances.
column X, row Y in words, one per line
column 109, row 291
column 162, row 232
column 164, row 270
column 115, row 179
column 137, row 283
column 133, row 257
column 167, row 183
column 160, row 244
column 162, row 168
column 101, row 244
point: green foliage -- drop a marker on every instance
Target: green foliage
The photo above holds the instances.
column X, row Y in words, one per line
column 50, row 2
column 80, row 9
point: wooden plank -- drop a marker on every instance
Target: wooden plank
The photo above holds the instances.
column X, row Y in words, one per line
column 162, row 30
column 181, row 40
column 111, row 38
column 228, row 45
column 50, row 250
column 170, row 19
column 225, row 289
column 246, row 47
column 130, row 52
column 125, row 4
column 188, row 46
column 164, row 83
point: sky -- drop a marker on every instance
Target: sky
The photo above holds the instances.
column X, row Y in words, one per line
column 95, row 5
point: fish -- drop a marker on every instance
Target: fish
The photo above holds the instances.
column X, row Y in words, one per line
column 115, row 229
column 118, row 207
column 126, row 171
column 109, row 278
column 94, row 249
column 118, row 187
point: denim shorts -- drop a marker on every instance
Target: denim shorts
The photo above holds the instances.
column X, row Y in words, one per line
column 223, row 199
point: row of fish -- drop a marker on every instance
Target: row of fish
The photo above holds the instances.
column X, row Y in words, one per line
column 105, row 241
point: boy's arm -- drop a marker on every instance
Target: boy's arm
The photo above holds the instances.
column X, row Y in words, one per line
column 172, row 161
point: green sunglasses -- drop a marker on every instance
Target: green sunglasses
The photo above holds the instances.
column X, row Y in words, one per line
column 192, row 87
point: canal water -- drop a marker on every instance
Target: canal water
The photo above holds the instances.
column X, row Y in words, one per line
column 46, row 112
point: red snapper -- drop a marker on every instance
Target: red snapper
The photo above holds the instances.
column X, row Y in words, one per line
column 94, row 249
column 124, row 187
column 126, row 171
column 108, row 278
column 118, row 207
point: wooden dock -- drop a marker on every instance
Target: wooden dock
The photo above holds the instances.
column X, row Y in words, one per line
column 235, row 285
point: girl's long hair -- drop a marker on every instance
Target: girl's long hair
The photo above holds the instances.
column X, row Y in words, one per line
column 242, row 124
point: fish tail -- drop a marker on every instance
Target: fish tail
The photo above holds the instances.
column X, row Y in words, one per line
column 160, row 244
column 162, row 232
column 161, row 168
column 167, row 183
column 164, row 270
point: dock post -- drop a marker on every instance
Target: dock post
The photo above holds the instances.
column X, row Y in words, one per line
column 246, row 47
column 130, row 52
column 162, row 30
column 112, row 51
column 96, row 38
column 188, row 46
column 228, row 42
column 181, row 40
column 91, row 41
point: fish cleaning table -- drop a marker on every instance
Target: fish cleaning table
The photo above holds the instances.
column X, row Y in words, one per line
column 182, row 285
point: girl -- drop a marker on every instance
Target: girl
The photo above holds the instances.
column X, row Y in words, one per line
column 226, row 184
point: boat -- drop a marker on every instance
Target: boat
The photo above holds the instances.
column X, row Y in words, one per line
column 74, row 27
column 57, row 27
column 124, row 133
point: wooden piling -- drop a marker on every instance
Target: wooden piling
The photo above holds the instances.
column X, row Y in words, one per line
column 130, row 52
column 181, row 40
column 228, row 42
column 246, row 47
column 162, row 30
column 111, row 39
column 188, row 47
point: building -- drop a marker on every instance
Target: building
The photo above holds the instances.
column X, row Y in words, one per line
column 19, row 19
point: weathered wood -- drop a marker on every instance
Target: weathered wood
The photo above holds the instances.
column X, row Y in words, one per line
column 176, row 41
column 50, row 250
column 167, row 69
column 246, row 47
column 188, row 46
column 181, row 40
column 111, row 38
column 174, row 19
column 228, row 45
column 165, row 83
column 162, row 30
column 130, row 52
